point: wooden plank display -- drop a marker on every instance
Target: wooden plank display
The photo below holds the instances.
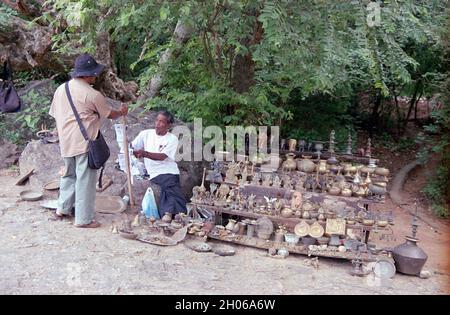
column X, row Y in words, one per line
column 293, row 249
column 275, row 192
column 289, row 222
column 325, row 155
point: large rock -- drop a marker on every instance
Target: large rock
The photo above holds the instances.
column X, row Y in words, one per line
column 46, row 161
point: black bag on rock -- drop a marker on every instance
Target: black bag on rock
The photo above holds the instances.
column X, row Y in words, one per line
column 9, row 99
column 98, row 150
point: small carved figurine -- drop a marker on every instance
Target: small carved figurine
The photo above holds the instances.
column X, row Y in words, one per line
column 297, row 200
column 276, row 181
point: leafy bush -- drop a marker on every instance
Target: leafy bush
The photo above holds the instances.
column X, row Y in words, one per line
column 435, row 190
column 35, row 115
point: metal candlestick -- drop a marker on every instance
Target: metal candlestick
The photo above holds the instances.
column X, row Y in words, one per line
column 369, row 148
column 332, row 142
column 349, row 145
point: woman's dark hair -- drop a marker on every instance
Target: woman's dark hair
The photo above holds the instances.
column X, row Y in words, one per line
column 168, row 115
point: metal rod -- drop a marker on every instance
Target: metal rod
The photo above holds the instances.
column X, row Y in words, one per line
column 127, row 159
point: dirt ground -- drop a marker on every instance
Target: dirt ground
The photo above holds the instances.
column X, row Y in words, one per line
column 39, row 256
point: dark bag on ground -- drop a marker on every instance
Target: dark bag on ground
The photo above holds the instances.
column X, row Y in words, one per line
column 9, row 99
column 98, row 150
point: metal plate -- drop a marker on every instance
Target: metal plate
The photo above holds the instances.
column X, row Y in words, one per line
column 180, row 235
column 157, row 240
column 264, row 225
column 384, row 269
column 52, row 185
column 110, row 204
column 316, row 230
column 302, row 229
column 30, row 195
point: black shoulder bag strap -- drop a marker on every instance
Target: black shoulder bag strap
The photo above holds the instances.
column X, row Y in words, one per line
column 82, row 129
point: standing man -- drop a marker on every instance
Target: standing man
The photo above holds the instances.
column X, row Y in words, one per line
column 77, row 185
column 158, row 147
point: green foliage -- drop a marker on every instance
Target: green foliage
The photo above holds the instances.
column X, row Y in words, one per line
column 435, row 190
column 6, row 132
column 22, row 78
column 322, row 52
column 35, row 114
column 316, row 116
column 6, row 13
column 386, row 140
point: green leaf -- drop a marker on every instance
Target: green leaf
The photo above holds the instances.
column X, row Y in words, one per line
column 164, row 13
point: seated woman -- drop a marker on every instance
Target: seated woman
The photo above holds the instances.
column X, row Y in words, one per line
column 158, row 147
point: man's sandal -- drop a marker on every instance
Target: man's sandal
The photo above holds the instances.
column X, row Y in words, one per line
column 59, row 216
column 92, row 225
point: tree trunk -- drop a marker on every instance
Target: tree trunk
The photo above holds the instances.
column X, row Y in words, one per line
column 181, row 35
column 411, row 104
column 244, row 66
column 397, row 111
column 375, row 114
column 109, row 83
column 415, row 106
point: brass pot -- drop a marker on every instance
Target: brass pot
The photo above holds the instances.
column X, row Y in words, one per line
column 346, row 192
column 167, row 218
column 292, row 144
column 305, row 164
column 360, row 192
column 322, row 168
column 286, row 213
column 307, row 206
column 334, row 191
column 289, row 164
column 409, row 258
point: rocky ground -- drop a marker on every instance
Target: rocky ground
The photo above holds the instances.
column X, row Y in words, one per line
column 39, row 256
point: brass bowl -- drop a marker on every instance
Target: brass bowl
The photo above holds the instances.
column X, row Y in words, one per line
column 334, row 191
column 382, row 171
column 368, row 222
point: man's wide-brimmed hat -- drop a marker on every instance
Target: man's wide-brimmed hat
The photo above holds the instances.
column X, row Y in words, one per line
column 86, row 66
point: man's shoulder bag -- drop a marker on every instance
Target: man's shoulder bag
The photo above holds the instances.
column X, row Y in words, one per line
column 98, row 151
